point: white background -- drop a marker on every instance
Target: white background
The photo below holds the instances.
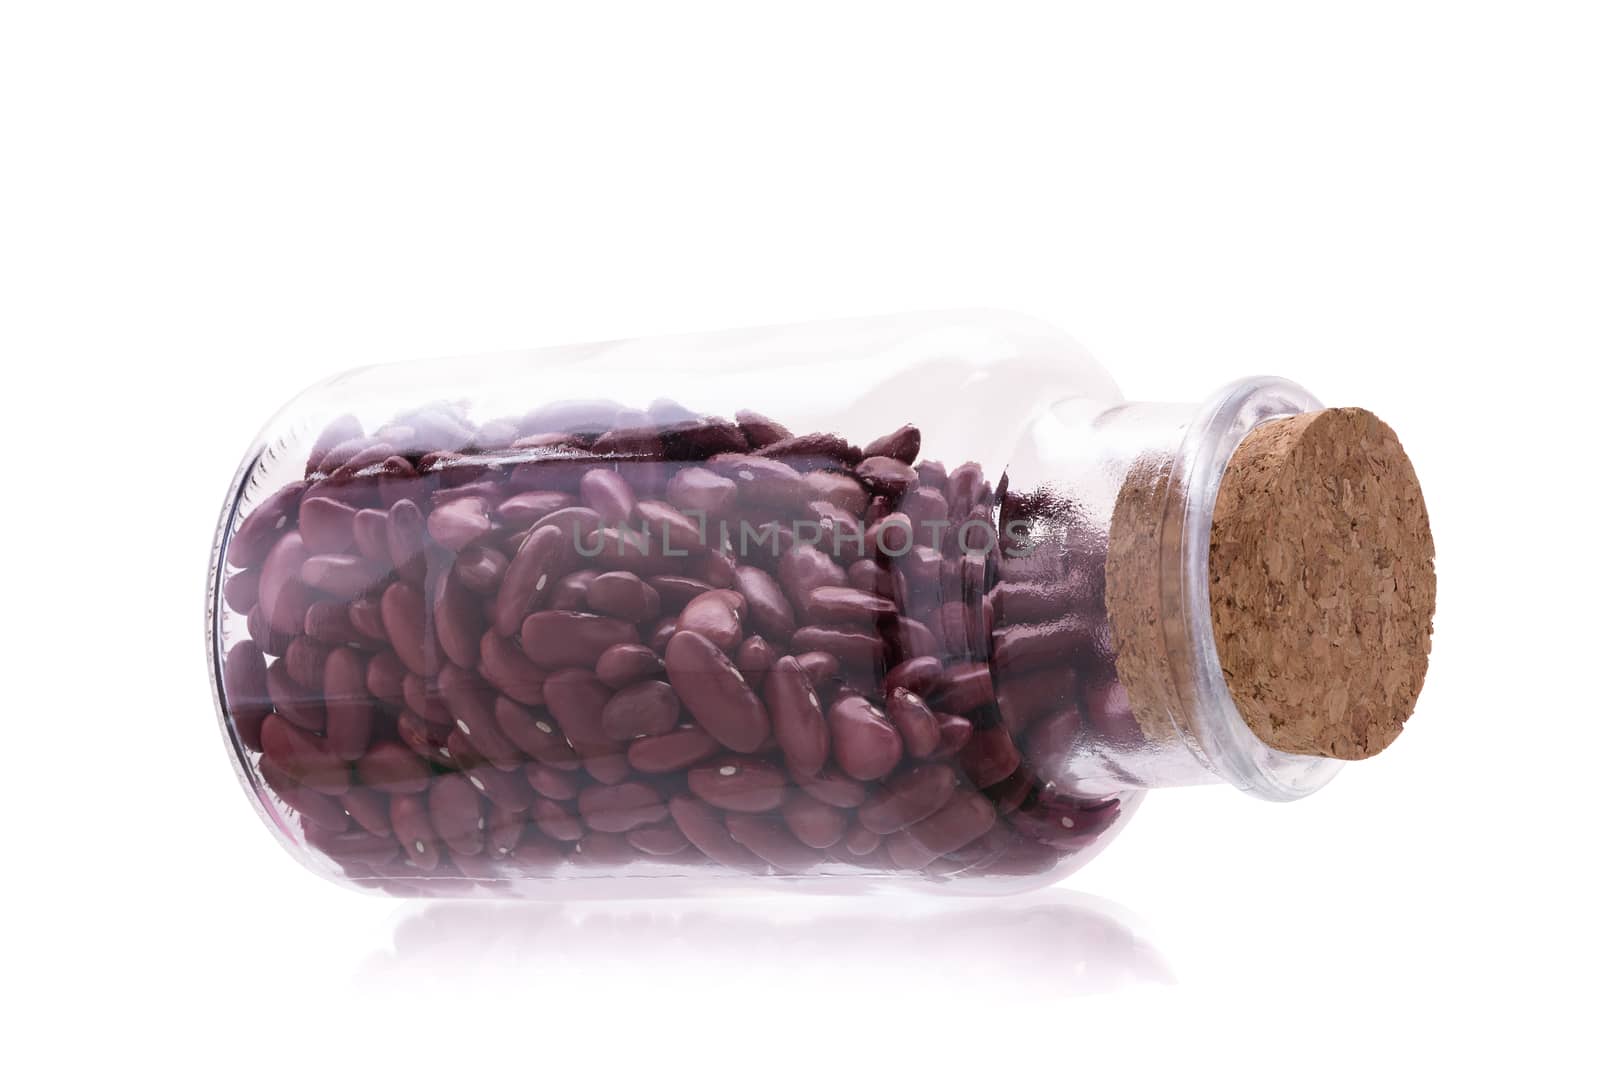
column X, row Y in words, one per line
column 205, row 207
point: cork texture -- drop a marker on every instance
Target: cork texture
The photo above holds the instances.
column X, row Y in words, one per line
column 1322, row 583
column 1134, row 597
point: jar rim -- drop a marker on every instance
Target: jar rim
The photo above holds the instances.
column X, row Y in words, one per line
column 1225, row 741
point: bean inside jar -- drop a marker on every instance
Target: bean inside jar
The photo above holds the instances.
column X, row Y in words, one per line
column 685, row 643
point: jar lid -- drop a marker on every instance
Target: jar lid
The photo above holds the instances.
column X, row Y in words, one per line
column 1322, row 583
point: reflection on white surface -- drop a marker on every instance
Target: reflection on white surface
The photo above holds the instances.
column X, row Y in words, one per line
column 1048, row 944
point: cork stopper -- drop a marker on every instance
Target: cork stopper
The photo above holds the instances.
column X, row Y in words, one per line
column 1322, row 583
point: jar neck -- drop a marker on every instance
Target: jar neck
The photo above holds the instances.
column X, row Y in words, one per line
column 1171, row 461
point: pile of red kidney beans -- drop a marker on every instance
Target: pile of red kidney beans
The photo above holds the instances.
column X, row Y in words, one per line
column 599, row 637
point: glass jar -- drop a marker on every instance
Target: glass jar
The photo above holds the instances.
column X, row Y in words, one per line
column 913, row 601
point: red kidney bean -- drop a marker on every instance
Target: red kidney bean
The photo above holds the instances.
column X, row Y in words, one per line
column 577, row 700
column 839, row 489
column 473, row 710
column 1012, row 792
column 715, row 615
column 366, row 618
column 604, row 492
column 315, row 809
column 703, row 826
column 422, row 737
column 370, row 532
column 833, row 788
column 294, row 703
column 609, row 769
column 715, row 693
column 580, row 529
column 349, row 705
column 865, row 744
column 1063, row 823
column 670, row 752
column 929, row 516
column 990, row 757
column 716, row 568
column 414, row 831
column 407, row 536
column 908, row 639
column 797, row 718
column 623, row 595
column 660, row 839
column 572, row 592
column 821, row 667
column 694, row 489
column 883, row 474
column 1023, row 699
column 326, row 525
column 555, row 821
column 804, row 568
column 534, row 734
column 456, row 813
column 619, row 808
column 964, row 688
column 258, row 532
column 661, row 635
column 771, row 841
column 914, row 722
column 480, row 569
column 598, row 849
column 504, row 667
column 506, row 828
column 846, row 606
column 676, row 590
column 892, row 535
column 405, row 623
column 386, row 677
column 908, row 797
column 920, row 675
column 369, row 809
column 645, row 709
column 458, row 621
column 525, row 509
column 954, row 733
column 528, row 577
column 755, row 658
column 328, row 622
column 549, row 782
column 393, row 768
column 283, row 595
column 621, row 665
column 738, row 783
column 303, row 757
column 964, row 818
column 423, row 697
column 1030, row 646
column 244, row 686
column 852, row 648
column 305, row 659
column 572, row 639
column 460, row 522
column 818, row 825
column 770, row 612
column 759, row 431
column 902, row 444
column 671, row 533
column 241, row 589
column 506, row 790
column 859, row 841
column 761, row 480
